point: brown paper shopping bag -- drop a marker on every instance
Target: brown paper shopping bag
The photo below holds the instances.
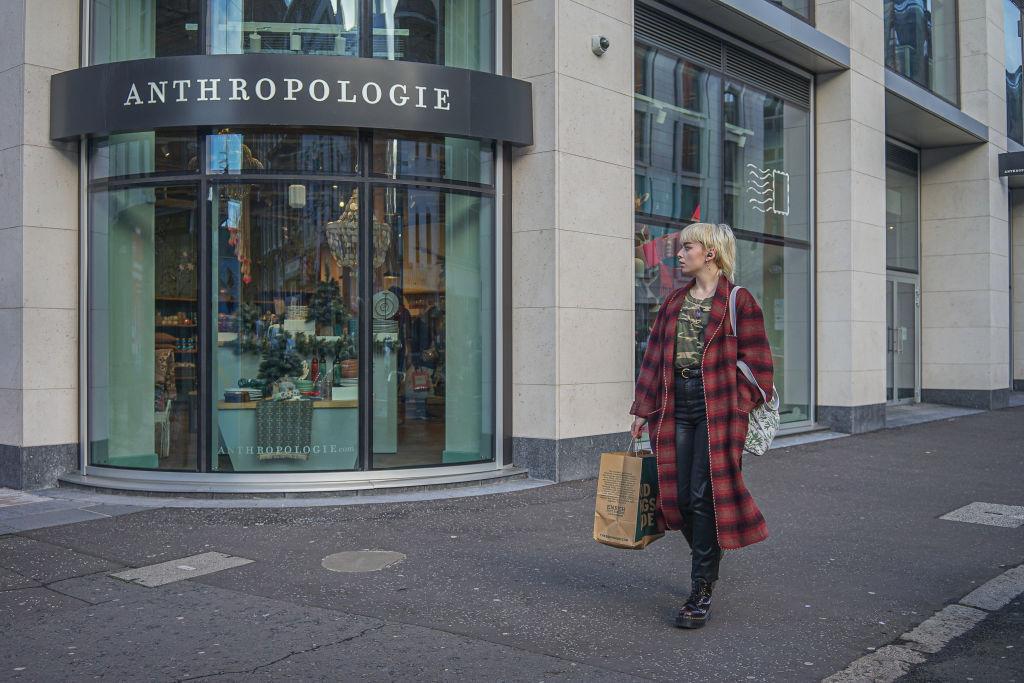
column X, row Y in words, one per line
column 627, row 495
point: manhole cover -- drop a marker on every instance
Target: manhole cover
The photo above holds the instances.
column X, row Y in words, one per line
column 356, row 561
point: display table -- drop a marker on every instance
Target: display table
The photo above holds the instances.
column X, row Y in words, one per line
column 332, row 445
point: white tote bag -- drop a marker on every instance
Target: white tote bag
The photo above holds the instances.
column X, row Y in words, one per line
column 764, row 419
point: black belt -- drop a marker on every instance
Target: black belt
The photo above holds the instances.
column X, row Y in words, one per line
column 690, row 373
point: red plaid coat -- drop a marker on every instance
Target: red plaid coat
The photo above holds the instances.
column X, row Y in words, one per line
column 729, row 398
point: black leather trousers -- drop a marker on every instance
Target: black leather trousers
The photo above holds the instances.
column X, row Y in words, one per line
column 693, row 468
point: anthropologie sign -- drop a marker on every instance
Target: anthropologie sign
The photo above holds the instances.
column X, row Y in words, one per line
column 288, row 90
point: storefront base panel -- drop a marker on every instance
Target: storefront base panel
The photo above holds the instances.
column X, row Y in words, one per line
column 36, row 467
column 853, row 419
column 566, row 459
column 991, row 399
column 219, row 487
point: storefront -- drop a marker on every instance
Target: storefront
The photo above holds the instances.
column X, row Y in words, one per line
column 293, row 226
column 724, row 135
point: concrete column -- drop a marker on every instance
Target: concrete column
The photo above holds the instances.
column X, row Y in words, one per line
column 572, row 240
column 1017, row 285
column 38, row 249
column 850, row 126
column 965, row 235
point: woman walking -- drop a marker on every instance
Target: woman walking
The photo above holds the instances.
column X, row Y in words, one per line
column 695, row 404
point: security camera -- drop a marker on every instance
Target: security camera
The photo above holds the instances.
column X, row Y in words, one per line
column 599, row 44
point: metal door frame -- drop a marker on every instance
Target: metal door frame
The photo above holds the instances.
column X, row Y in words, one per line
column 898, row 278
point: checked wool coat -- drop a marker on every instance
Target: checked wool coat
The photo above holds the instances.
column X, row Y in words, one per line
column 728, row 397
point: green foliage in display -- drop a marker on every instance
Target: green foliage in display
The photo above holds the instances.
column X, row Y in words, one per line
column 326, row 306
column 279, row 361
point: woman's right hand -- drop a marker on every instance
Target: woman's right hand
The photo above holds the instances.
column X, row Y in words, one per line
column 638, row 427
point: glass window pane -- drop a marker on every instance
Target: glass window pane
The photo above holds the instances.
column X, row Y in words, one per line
column 800, row 8
column 901, row 207
column 677, row 109
column 285, row 262
column 1014, row 90
column 137, row 29
column 448, row 32
column 766, row 164
column 433, row 321
column 433, row 157
column 779, row 278
column 145, row 153
column 143, row 330
column 234, row 151
column 921, row 43
column 312, row 27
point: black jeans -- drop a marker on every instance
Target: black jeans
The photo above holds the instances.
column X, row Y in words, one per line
column 693, row 478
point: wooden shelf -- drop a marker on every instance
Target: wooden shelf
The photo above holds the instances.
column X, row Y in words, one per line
column 176, row 325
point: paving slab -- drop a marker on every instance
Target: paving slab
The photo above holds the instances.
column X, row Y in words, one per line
column 10, row 580
column 45, row 562
column 52, row 518
column 28, row 605
column 98, row 588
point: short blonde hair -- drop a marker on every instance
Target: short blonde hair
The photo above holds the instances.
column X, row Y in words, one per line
column 717, row 236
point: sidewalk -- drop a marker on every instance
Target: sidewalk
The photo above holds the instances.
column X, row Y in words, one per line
column 510, row 586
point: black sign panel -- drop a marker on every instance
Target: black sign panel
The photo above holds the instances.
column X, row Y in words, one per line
column 1011, row 163
column 288, row 90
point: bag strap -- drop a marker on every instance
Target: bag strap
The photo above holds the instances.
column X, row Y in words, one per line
column 742, row 365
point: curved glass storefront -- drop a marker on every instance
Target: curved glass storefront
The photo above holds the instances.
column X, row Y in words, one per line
column 291, row 299
column 228, row 267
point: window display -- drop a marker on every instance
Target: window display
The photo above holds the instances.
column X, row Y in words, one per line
column 287, row 302
column 256, row 295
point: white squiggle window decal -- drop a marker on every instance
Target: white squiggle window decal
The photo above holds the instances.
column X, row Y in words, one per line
column 769, row 190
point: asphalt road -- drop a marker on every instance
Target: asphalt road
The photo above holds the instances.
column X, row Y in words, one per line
column 512, row 587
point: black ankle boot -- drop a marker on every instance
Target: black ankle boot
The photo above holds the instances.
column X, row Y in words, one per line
column 697, row 610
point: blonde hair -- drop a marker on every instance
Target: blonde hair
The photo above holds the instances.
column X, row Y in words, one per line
column 717, row 236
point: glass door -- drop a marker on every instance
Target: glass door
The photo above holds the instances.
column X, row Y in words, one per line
column 902, row 298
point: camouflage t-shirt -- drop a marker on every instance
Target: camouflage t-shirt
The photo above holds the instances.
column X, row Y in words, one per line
column 693, row 318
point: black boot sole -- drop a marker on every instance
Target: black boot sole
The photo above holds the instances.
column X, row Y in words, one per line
column 691, row 623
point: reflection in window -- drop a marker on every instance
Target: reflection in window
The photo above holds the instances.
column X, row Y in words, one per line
column 901, row 207
column 138, row 29
column 1014, row 90
column 144, row 153
column 434, row 157
column 234, row 151
column 286, row 268
column 312, row 27
column 767, row 164
column 920, row 43
column 433, row 359
column 801, row 8
column 677, row 161
column 143, row 332
column 449, row 32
